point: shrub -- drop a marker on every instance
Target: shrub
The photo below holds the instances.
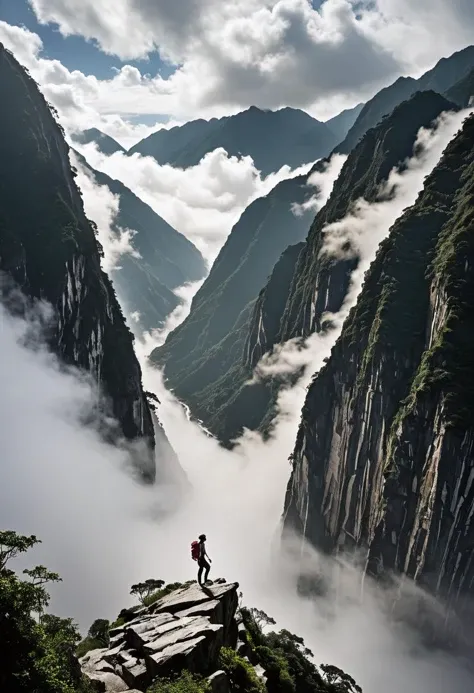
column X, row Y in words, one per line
column 242, row 676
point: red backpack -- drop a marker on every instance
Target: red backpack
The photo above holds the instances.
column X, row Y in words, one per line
column 195, row 550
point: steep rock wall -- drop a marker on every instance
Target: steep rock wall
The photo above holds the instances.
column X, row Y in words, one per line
column 384, row 457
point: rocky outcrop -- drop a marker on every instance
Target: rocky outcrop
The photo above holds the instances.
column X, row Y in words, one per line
column 384, row 458
column 184, row 630
column 202, row 631
column 273, row 139
column 48, row 247
column 166, row 259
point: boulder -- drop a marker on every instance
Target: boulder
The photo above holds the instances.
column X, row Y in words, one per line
column 190, row 630
column 107, row 683
column 135, row 673
column 197, row 656
column 213, row 609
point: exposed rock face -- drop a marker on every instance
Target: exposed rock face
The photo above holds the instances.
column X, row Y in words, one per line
column 167, row 259
column 384, row 457
column 272, row 138
column 48, row 247
column 184, row 630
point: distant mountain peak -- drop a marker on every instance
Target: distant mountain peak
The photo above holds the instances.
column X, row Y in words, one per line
column 106, row 144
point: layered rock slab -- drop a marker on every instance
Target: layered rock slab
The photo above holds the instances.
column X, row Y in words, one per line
column 184, row 630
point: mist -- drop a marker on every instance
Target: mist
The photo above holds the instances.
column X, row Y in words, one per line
column 102, row 207
column 103, row 531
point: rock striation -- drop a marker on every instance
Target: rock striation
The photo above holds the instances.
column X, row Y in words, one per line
column 384, row 458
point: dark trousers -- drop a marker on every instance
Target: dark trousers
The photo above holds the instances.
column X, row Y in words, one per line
column 203, row 565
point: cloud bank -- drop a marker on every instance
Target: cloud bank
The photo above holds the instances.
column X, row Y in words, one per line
column 237, row 53
column 202, row 202
column 230, row 54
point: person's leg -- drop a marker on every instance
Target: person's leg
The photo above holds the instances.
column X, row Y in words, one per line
column 201, row 566
column 208, row 567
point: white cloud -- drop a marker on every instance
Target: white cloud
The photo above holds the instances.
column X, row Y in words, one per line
column 202, row 202
column 229, row 55
column 276, row 52
column 323, row 181
column 102, row 207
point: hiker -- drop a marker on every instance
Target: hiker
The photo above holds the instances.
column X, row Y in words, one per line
column 198, row 551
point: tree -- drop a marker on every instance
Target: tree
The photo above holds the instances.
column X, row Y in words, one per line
column 99, row 630
column 143, row 589
column 40, row 576
column 35, row 656
column 261, row 618
column 12, row 544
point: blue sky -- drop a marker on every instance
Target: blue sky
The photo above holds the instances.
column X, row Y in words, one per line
column 74, row 52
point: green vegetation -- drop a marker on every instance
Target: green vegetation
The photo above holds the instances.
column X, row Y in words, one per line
column 286, row 661
column 49, row 248
column 97, row 637
column 241, row 673
column 164, row 591
column 184, row 683
column 37, row 649
column 144, row 589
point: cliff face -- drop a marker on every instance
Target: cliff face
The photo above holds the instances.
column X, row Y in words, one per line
column 272, row 138
column 167, row 259
column 463, row 91
column 384, row 458
column 320, row 284
column 48, row 247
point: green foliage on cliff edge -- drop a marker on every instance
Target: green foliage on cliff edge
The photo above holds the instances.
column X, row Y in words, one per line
column 286, row 661
column 37, row 649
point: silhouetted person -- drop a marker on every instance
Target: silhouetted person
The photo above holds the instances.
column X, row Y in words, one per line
column 202, row 562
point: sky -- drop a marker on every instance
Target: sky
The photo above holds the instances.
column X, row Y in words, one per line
column 131, row 66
